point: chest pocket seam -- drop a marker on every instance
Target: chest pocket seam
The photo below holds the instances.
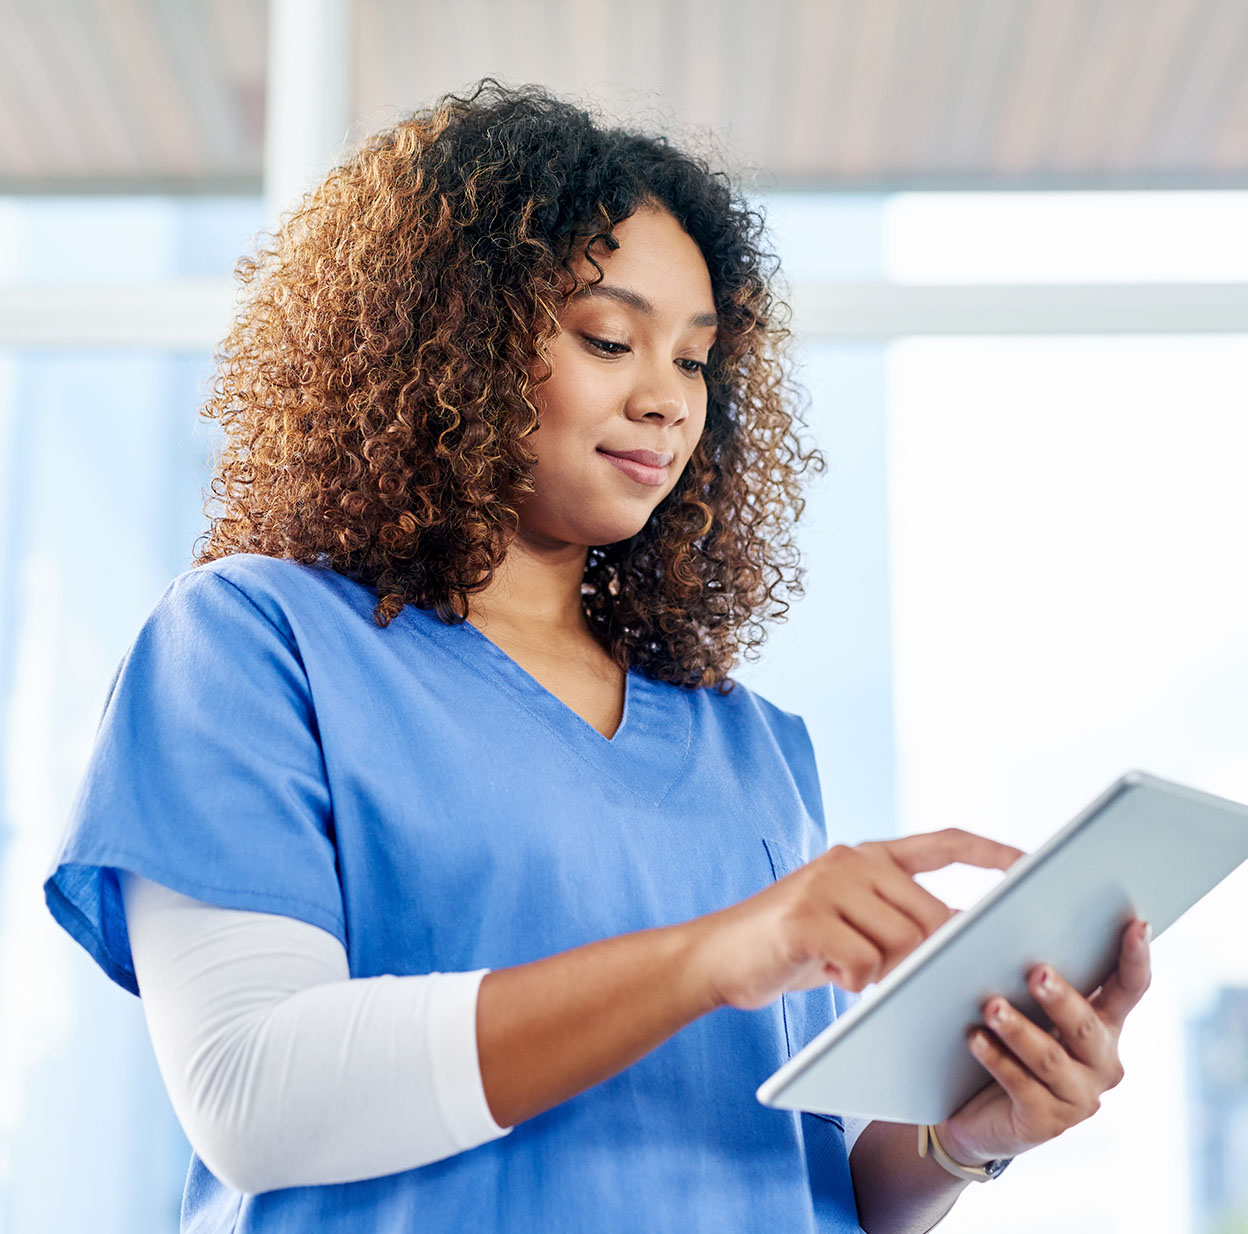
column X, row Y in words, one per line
column 784, row 860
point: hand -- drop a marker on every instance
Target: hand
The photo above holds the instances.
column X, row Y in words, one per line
column 850, row 916
column 1046, row 1082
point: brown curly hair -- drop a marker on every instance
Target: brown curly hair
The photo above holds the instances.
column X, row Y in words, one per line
column 377, row 386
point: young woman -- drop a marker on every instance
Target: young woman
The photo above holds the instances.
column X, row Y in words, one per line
column 463, row 888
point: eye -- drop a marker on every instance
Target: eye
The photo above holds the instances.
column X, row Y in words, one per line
column 606, row 346
column 696, row 367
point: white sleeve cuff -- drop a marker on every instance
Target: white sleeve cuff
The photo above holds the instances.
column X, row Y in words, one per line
column 854, row 1127
column 456, row 1068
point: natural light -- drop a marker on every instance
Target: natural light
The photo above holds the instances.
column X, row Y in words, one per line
column 1024, row 579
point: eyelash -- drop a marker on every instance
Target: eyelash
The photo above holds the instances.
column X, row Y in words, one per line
column 606, row 345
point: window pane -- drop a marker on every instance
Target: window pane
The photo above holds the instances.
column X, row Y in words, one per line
column 102, row 460
column 1067, row 526
column 100, row 500
column 1066, row 237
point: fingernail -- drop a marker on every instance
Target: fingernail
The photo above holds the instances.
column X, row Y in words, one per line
column 997, row 1013
column 1046, row 981
column 1148, row 932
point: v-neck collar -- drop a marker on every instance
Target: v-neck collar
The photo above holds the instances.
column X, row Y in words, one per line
column 650, row 744
column 520, row 676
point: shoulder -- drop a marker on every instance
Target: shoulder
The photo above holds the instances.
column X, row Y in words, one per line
column 260, row 578
column 742, row 705
column 282, row 592
column 754, row 731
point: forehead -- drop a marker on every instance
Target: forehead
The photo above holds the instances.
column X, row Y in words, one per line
column 658, row 261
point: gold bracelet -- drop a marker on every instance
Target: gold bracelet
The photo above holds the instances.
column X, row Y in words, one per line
column 972, row 1173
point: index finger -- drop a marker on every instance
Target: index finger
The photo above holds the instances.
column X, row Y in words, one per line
column 933, row 850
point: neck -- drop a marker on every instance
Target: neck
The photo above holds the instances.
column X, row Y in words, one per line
column 538, row 586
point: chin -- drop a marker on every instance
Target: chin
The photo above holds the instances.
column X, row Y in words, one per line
column 593, row 523
column 603, row 536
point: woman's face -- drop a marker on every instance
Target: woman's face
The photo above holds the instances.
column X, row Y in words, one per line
column 627, row 377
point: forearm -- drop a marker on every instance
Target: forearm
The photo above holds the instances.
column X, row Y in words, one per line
column 553, row 1028
column 899, row 1192
column 286, row 1072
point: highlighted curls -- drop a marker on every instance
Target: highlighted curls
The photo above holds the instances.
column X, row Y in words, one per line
column 377, row 386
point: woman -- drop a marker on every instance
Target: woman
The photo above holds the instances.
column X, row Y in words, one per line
column 464, row 890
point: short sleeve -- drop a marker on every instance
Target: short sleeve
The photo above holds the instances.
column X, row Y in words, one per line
column 806, row 773
column 206, row 776
column 792, row 738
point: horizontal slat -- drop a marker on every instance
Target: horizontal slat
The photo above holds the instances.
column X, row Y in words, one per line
column 182, row 316
column 194, row 316
column 888, row 310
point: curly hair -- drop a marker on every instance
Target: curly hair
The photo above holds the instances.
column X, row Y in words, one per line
column 376, row 388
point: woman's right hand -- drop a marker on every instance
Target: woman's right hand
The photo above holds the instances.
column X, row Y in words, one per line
column 849, row 916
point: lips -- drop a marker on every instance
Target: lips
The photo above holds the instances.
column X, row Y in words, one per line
column 644, row 466
column 648, row 457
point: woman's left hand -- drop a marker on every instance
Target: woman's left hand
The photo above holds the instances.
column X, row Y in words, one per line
column 1046, row 1082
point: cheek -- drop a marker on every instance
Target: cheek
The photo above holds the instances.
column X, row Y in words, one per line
column 574, row 399
column 697, row 422
column 563, row 442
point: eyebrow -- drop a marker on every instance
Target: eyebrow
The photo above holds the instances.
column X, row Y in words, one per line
column 636, row 300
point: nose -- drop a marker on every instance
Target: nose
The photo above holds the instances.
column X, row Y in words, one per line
column 657, row 394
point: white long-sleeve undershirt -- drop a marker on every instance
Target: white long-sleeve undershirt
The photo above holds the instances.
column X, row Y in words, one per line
column 282, row 1069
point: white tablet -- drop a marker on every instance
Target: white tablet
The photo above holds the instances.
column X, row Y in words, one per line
column 1146, row 848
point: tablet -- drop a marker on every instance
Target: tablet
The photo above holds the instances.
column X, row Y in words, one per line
column 1146, row 848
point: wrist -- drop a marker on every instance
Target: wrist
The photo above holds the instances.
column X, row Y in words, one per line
column 694, row 942
column 966, row 1168
column 963, row 1154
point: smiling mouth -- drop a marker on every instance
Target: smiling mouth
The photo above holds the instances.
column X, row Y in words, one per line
column 633, row 467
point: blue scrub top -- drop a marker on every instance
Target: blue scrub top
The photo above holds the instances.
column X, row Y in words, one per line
column 416, row 793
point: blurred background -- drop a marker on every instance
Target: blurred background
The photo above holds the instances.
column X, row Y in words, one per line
column 1015, row 239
